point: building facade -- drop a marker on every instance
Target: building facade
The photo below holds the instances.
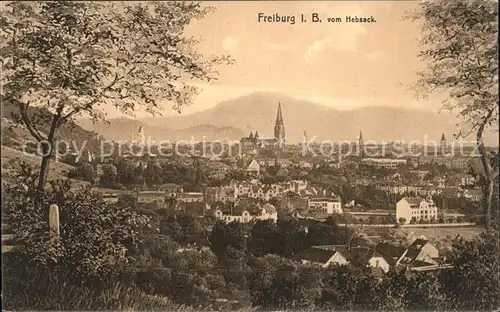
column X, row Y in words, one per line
column 246, row 214
column 383, row 163
column 329, row 205
column 416, row 209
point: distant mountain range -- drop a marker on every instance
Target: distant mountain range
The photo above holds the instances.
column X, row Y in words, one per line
column 257, row 112
column 16, row 136
column 127, row 129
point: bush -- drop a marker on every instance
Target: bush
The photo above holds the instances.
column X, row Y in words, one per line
column 84, row 172
column 35, row 288
column 94, row 238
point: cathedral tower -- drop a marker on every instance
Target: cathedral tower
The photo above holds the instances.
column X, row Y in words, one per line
column 361, row 145
column 141, row 136
column 442, row 145
column 279, row 128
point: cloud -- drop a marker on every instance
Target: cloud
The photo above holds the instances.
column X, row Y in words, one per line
column 344, row 39
column 316, row 48
column 277, row 46
column 229, row 44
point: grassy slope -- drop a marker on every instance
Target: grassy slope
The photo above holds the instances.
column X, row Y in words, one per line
column 442, row 238
column 10, row 156
column 57, row 170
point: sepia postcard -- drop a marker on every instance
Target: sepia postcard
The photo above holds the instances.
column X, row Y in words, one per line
column 250, row 155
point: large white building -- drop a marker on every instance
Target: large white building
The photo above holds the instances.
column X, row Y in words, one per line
column 253, row 167
column 383, row 163
column 246, row 214
column 416, row 208
column 329, row 205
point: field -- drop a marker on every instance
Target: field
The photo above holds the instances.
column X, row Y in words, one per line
column 442, row 238
column 57, row 170
column 444, row 233
column 11, row 159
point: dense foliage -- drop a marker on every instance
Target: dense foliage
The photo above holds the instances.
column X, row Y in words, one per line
column 67, row 58
column 459, row 45
column 233, row 266
column 95, row 238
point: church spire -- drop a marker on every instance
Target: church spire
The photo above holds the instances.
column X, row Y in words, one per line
column 279, row 117
column 279, row 128
column 361, row 145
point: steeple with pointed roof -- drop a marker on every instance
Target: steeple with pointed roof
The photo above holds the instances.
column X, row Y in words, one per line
column 443, row 145
column 256, row 134
column 361, row 144
column 279, row 128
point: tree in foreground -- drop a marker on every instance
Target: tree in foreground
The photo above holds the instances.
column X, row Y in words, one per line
column 61, row 60
column 474, row 282
column 459, row 43
column 96, row 239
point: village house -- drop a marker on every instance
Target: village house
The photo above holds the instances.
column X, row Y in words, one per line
column 190, row 197
column 421, row 255
column 474, row 195
column 242, row 189
column 451, row 192
column 294, row 202
column 246, row 213
column 467, row 180
column 263, row 162
column 416, row 209
column 328, row 205
column 387, row 256
column 146, row 197
column 305, row 165
column 383, row 163
column 265, row 192
column 171, row 189
column 326, row 255
column 285, row 162
column 334, row 164
column 322, row 255
column 295, row 186
column 111, row 198
column 220, row 193
column 422, row 249
column 253, row 167
column 195, row 209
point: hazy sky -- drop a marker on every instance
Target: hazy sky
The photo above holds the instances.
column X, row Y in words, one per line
column 342, row 65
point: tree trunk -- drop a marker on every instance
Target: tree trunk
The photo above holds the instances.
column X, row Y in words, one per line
column 489, row 199
column 48, row 150
column 44, row 167
column 488, row 174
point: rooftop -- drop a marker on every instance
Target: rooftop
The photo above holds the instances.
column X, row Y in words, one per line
column 325, row 199
column 391, row 253
column 319, row 254
column 417, row 200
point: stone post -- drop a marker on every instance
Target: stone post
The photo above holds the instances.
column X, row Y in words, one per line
column 54, row 220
